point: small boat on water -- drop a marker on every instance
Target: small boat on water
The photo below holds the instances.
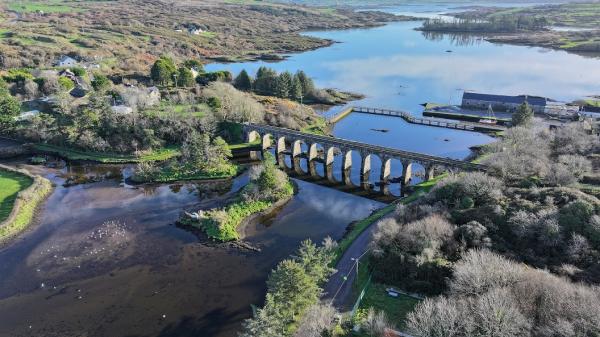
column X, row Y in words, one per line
column 381, row 130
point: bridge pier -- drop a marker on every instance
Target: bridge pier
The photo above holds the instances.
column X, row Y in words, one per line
column 297, row 157
column 329, row 159
column 406, row 175
column 429, row 172
column 313, row 155
column 384, row 176
column 280, row 152
column 347, row 168
column 365, row 171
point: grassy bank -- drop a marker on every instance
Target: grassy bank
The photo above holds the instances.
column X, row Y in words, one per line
column 24, row 202
column 318, row 127
column 170, row 174
column 376, row 297
column 106, row 157
column 11, row 183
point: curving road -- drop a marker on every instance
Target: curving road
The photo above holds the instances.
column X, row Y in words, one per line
column 339, row 287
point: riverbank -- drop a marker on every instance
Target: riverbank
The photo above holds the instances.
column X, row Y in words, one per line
column 106, row 157
column 22, row 193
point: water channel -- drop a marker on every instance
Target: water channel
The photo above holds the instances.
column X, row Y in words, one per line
column 107, row 260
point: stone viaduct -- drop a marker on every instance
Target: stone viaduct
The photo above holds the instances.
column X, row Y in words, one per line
column 267, row 135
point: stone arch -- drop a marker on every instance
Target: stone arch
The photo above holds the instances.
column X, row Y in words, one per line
column 351, row 173
column 252, row 136
column 331, row 165
column 316, row 156
column 281, row 150
column 385, row 174
column 267, row 141
column 372, row 165
column 299, row 156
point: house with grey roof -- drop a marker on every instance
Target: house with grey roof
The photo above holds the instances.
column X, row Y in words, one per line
column 478, row 101
column 66, row 61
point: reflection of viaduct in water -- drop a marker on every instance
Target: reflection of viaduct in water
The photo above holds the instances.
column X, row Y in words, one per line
column 330, row 145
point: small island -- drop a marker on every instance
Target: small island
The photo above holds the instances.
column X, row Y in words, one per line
column 269, row 188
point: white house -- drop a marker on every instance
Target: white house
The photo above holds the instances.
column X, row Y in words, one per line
column 195, row 30
column 27, row 115
column 121, row 109
column 66, row 61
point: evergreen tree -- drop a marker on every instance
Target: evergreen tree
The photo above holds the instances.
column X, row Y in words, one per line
column 185, row 77
column 315, row 260
column 243, row 81
column 296, row 92
column 283, row 85
column 523, row 115
column 163, row 70
column 307, row 83
column 266, row 79
column 292, row 288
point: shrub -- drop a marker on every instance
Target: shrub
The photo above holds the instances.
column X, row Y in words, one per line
column 65, row 83
column 100, row 82
column 575, row 216
column 473, row 188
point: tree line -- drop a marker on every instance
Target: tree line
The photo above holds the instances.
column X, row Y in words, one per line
column 494, row 24
column 270, row 83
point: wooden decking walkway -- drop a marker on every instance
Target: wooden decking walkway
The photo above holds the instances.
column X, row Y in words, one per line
column 467, row 126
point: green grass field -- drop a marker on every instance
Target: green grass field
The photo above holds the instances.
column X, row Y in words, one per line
column 376, row 297
column 11, row 183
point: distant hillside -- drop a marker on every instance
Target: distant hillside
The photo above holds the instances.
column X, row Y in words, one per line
column 367, row 3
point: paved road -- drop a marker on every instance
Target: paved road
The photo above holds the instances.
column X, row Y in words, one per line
column 337, row 286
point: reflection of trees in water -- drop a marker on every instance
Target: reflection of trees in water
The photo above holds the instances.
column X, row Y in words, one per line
column 456, row 39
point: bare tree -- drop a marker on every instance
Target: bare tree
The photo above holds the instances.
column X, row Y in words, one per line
column 376, row 323
column 318, row 318
column 480, row 271
column 437, row 317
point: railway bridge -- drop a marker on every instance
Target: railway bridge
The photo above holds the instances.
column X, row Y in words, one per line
column 322, row 149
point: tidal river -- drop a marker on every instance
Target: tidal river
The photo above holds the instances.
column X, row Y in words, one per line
column 107, row 260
